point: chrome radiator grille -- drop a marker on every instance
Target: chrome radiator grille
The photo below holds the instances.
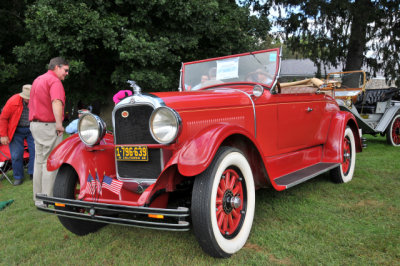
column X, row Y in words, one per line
column 132, row 127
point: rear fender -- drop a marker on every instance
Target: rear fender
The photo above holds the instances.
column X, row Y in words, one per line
column 387, row 118
column 72, row 151
column 333, row 151
column 196, row 154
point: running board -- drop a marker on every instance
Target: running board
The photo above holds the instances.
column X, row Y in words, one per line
column 304, row 174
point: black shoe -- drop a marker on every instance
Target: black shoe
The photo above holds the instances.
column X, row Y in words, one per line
column 18, row 182
column 30, row 177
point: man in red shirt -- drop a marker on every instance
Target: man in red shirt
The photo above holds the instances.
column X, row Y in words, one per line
column 14, row 129
column 46, row 114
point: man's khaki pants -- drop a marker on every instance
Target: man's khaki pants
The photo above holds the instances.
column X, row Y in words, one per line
column 46, row 140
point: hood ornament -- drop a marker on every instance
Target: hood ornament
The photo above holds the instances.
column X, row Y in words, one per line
column 136, row 89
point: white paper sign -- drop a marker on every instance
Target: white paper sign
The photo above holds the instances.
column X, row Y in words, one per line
column 228, row 68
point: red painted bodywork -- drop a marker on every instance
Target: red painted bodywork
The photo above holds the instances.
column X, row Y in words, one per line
column 279, row 135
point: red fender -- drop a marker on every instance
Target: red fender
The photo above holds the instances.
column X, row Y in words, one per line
column 333, row 148
column 84, row 159
column 196, row 155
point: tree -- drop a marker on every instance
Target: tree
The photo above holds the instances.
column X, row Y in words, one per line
column 12, row 33
column 109, row 42
column 342, row 32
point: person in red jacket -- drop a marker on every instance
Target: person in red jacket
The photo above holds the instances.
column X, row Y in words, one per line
column 14, row 129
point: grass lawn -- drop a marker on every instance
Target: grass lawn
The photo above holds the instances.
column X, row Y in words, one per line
column 317, row 222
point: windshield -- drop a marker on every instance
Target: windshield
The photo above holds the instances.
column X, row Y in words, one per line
column 346, row 80
column 256, row 67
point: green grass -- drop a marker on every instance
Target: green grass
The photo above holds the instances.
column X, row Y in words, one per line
column 317, row 222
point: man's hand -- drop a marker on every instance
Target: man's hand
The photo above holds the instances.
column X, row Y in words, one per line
column 59, row 129
column 5, row 140
column 57, row 111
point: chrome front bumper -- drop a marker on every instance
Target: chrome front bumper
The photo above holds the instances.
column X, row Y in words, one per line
column 172, row 219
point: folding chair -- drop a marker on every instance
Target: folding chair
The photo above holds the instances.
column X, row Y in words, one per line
column 5, row 162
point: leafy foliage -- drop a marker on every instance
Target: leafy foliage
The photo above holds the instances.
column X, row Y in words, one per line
column 12, row 33
column 342, row 33
column 109, row 42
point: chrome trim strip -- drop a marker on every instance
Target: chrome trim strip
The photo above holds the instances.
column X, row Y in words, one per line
column 180, row 78
column 279, row 71
column 254, row 111
column 347, row 93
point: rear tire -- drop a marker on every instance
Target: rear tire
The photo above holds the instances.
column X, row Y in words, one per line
column 67, row 186
column 393, row 132
column 223, row 203
column 344, row 172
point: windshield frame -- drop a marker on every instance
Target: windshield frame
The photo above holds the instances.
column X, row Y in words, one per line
column 228, row 62
column 337, row 77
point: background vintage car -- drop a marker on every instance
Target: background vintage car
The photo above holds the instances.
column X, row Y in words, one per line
column 196, row 156
column 377, row 111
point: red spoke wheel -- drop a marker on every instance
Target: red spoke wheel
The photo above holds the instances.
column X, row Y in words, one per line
column 229, row 202
column 344, row 172
column 346, row 155
column 223, row 203
column 393, row 132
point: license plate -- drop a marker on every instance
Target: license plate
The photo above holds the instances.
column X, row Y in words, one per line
column 131, row 153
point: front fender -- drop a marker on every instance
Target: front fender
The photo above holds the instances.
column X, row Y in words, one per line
column 84, row 159
column 196, row 154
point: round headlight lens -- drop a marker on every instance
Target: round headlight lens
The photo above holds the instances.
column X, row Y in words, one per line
column 91, row 129
column 165, row 125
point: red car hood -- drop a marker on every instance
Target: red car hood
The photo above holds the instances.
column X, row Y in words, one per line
column 207, row 99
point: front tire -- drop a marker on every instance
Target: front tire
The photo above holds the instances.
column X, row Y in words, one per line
column 393, row 132
column 223, row 203
column 344, row 172
column 67, row 186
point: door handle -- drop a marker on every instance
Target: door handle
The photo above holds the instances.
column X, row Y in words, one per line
column 309, row 109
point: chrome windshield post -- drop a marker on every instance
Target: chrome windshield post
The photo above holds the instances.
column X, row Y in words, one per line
column 180, row 78
column 273, row 90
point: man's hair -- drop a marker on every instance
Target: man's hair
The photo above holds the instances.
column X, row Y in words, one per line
column 57, row 61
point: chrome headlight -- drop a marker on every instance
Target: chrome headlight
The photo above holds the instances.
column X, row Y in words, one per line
column 91, row 129
column 258, row 90
column 165, row 125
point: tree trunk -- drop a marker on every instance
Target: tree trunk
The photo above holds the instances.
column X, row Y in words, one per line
column 358, row 39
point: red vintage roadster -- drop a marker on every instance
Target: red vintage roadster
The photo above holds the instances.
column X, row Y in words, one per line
column 194, row 158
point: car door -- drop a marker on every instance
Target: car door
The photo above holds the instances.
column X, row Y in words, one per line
column 302, row 121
